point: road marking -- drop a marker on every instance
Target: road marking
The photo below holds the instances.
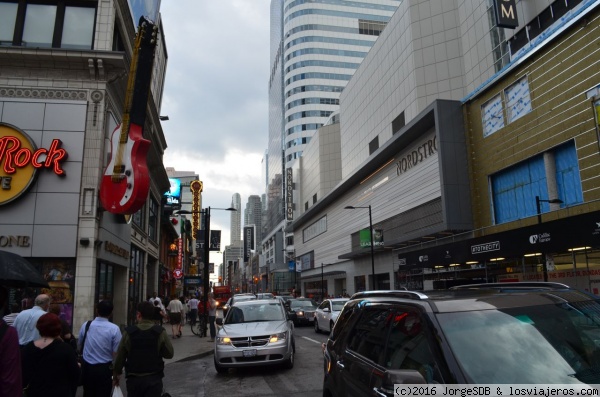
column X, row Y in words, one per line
column 312, row 340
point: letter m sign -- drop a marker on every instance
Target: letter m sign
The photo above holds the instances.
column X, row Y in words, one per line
column 506, row 13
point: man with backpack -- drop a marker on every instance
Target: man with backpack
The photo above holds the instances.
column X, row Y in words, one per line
column 141, row 352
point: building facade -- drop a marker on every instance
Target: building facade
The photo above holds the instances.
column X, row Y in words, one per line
column 62, row 92
column 475, row 161
column 315, row 49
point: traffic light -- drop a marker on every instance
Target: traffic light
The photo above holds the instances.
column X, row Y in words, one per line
column 174, row 221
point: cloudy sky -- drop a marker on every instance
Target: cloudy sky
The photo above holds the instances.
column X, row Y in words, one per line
column 216, row 97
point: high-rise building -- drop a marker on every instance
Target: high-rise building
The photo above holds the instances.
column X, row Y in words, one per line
column 253, row 215
column 236, row 220
column 315, row 49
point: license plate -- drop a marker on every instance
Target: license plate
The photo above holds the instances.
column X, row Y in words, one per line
column 249, row 353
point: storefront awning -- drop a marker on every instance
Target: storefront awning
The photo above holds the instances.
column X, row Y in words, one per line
column 548, row 237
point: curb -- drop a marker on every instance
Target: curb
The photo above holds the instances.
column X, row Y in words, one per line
column 193, row 357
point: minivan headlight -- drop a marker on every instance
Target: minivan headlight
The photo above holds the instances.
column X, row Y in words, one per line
column 280, row 337
column 223, row 340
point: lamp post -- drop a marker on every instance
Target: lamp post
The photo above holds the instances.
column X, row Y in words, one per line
column 322, row 292
column 538, row 208
column 206, row 259
column 350, row 207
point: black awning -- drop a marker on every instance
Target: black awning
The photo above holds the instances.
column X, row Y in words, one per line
column 549, row 237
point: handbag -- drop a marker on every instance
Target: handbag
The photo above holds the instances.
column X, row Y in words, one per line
column 80, row 353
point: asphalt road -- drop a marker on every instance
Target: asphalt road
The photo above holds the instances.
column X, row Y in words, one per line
column 198, row 378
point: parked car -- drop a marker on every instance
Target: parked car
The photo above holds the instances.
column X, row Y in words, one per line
column 284, row 298
column 265, row 295
column 504, row 333
column 254, row 333
column 327, row 313
column 237, row 298
column 304, row 309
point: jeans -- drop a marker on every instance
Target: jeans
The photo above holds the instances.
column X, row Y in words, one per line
column 213, row 331
column 193, row 316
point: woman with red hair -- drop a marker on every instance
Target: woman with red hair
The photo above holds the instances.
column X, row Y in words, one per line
column 49, row 365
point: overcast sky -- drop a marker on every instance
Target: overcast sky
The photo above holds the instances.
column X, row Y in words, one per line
column 216, row 97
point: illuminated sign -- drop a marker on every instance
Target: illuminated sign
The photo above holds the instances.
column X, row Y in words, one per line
column 20, row 159
column 174, row 194
column 289, row 194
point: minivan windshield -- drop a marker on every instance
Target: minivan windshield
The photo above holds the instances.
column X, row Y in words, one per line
column 545, row 344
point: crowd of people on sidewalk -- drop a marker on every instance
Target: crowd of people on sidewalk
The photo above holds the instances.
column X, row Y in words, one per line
column 42, row 357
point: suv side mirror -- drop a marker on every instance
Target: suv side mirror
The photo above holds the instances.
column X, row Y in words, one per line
column 393, row 377
column 291, row 316
column 326, row 310
column 219, row 321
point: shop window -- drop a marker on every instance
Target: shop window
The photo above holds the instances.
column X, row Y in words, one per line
column 53, row 24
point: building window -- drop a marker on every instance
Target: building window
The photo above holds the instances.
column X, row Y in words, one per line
column 51, row 25
column 492, row 115
column 139, row 218
column 514, row 189
column 306, row 206
column 371, row 28
column 153, row 220
column 136, row 277
column 398, row 123
column 104, row 282
column 518, row 100
column 374, row 145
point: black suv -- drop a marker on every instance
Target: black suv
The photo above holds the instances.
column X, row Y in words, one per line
column 517, row 333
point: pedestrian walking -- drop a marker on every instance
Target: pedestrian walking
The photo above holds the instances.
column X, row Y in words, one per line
column 193, row 302
column 175, row 309
column 26, row 321
column 15, row 309
column 141, row 353
column 10, row 363
column 212, row 315
column 100, row 339
column 184, row 315
column 49, row 365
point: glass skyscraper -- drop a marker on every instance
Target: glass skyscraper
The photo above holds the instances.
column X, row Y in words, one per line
column 316, row 45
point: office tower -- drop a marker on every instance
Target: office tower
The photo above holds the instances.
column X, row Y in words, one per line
column 253, row 215
column 236, row 220
column 315, row 49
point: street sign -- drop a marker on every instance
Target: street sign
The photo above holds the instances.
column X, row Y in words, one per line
column 177, row 274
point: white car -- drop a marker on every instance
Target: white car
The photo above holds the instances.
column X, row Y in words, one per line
column 254, row 333
column 327, row 313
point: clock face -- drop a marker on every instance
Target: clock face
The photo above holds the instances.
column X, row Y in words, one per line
column 492, row 117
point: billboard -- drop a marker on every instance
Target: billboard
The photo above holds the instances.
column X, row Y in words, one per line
column 248, row 242
column 365, row 238
column 215, row 240
column 173, row 196
column 147, row 8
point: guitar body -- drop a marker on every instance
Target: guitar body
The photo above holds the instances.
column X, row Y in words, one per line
column 125, row 185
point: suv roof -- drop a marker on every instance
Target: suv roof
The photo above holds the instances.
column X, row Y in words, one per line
column 484, row 333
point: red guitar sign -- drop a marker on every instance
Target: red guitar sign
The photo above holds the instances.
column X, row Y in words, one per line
column 126, row 181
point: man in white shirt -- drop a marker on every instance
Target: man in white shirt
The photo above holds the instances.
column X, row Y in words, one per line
column 193, row 302
column 25, row 322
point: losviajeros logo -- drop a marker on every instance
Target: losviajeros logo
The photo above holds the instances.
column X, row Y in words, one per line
column 20, row 160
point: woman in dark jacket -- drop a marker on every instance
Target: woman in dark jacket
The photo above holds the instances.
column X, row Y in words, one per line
column 49, row 365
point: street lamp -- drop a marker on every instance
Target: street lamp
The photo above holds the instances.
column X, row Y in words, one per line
column 350, row 207
column 538, row 200
column 322, row 297
column 206, row 252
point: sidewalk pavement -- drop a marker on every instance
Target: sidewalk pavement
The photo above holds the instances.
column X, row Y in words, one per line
column 190, row 346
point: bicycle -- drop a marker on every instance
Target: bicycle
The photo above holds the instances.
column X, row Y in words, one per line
column 199, row 328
